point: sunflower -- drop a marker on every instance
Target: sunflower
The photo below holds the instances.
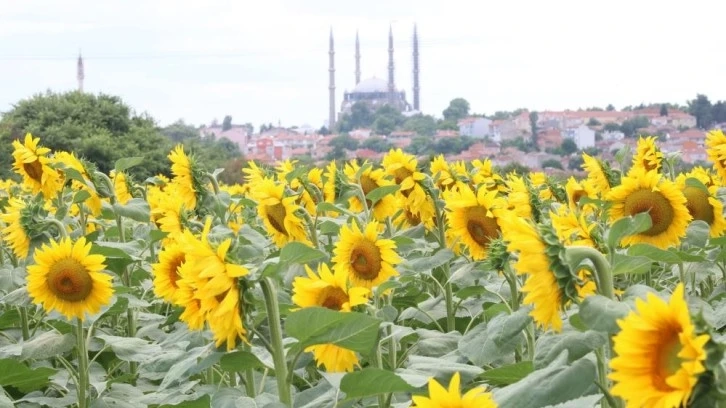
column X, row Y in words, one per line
column 330, row 184
column 121, row 187
column 442, row 173
column 596, row 174
column 577, row 190
column 370, row 180
column 366, row 259
column 716, row 151
column 168, row 212
column 278, row 213
column 166, row 272
column 647, row 155
column 649, row 192
column 186, row 177
column 407, row 219
column 65, row 160
column 67, row 279
column 402, row 167
column 539, row 183
column 16, row 232
column 571, row 228
column 473, row 218
column 702, row 200
column 548, row 280
column 659, row 355
column 440, row 397
column 517, row 197
column 329, row 290
column 33, row 164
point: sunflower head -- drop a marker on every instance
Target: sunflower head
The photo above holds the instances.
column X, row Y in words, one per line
column 327, row 289
column 122, row 186
column 369, row 180
column 278, row 213
column 703, row 203
column 473, row 218
column 647, row 156
column 440, row 397
column 188, row 175
column 367, row 259
column 32, row 162
column 599, row 174
column 716, row 151
column 659, row 355
column 22, row 225
column 66, row 278
column 649, row 192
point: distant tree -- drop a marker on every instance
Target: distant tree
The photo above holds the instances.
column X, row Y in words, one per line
column 575, row 163
column 702, row 109
column 595, row 109
column 226, row 123
column 423, row 125
column 552, row 163
column 593, row 122
column 568, row 146
column 611, row 127
column 718, row 112
column 263, row 128
column 452, row 145
column 533, row 118
column 384, row 125
column 663, row 110
column 514, row 167
column 361, row 115
column 448, row 124
column 343, row 142
column 323, row 131
column 249, row 127
column 610, row 107
column 180, row 131
column 420, row 145
column 630, row 127
column 377, row 144
column 458, row 109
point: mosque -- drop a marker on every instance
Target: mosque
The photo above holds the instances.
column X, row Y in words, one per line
column 373, row 91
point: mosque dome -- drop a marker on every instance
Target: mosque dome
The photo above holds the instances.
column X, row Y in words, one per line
column 371, row 85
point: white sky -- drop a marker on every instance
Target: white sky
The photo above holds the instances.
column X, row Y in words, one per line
column 266, row 60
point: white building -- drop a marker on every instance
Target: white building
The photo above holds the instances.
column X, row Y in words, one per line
column 583, row 136
column 475, row 127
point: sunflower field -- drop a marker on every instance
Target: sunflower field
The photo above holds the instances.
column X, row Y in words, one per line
column 363, row 284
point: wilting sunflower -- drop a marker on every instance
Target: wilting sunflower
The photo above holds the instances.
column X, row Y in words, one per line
column 650, row 192
column 186, row 177
column 702, row 201
column 473, row 218
column 278, row 213
column 549, row 282
column 596, row 174
column 370, row 180
column 659, row 355
column 329, row 290
column 67, row 279
column 121, row 187
column 367, row 259
column 15, row 233
column 166, row 272
column 647, row 155
column 33, row 164
column 716, row 151
column 440, row 397
column 402, row 167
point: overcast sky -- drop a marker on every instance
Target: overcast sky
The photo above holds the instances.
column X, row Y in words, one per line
column 266, row 61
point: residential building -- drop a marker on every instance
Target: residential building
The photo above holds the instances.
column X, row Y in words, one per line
column 475, row 127
column 583, row 136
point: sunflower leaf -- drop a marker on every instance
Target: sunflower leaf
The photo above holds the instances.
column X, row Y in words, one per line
column 633, row 265
column 378, row 193
column 137, row 209
column 126, row 163
column 47, row 345
column 16, row 374
column 489, row 342
column 317, row 325
column 297, row 252
column 601, row 314
column 372, row 381
column 508, row 374
column 627, row 226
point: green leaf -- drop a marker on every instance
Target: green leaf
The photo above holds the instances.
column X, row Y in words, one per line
column 372, row 381
column 433, row 343
column 554, row 384
column 136, row 209
column 601, row 314
column 591, row 401
column 202, row 402
column 239, row 361
column 623, row 264
column 16, row 374
column 508, row 374
column 428, row 263
column 81, row 196
column 491, row 341
column 577, row 344
column 654, row 253
column 317, row 325
column 627, row 226
column 131, row 348
column 378, row 193
column 297, row 252
column 232, row 398
column 420, row 369
column 47, row 345
column 126, row 163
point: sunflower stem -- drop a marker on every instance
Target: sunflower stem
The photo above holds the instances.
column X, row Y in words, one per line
column 24, row 322
column 82, row 384
column 278, row 350
column 58, row 226
column 130, row 315
column 576, row 254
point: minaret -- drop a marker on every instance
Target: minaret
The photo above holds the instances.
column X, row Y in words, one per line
column 391, row 84
column 79, row 72
column 331, row 87
column 416, row 87
column 357, row 59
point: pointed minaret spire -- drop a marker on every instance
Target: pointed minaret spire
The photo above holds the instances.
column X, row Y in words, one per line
column 416, row 87
column 391, row 84
column 357, row 59
column 331, row 87
column 80, row 75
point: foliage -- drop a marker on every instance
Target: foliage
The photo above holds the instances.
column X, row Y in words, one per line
column 227, row 123
column 593, row 122
column 423, row 125
column 552, row 163
column 568, row 146
column 377, row 144
column 458, row 109
column 630, row 127
column 533, row 118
